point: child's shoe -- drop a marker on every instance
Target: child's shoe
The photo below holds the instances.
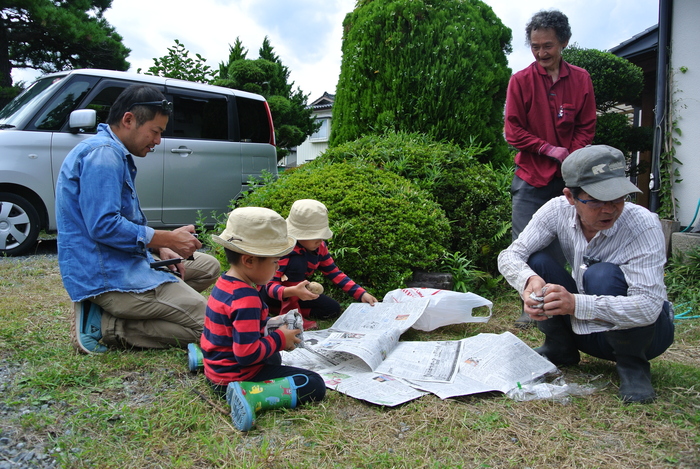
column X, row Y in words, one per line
column 246, row 398
column 195, row 360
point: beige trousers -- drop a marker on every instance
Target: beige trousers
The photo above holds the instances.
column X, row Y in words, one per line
column 171, row 315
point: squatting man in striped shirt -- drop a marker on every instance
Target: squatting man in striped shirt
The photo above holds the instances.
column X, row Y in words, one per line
column 613, row 303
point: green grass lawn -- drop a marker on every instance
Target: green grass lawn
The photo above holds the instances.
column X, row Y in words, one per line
column 143, row 409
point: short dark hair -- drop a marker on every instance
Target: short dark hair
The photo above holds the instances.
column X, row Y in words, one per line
column 549, row 19
column 232, row 257
column 575, row 191
column 136, row 94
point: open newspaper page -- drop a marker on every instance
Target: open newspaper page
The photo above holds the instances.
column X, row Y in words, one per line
column 382, row 317
column 491, row 362
column 364, row 331
column 462, row 386
column 312, row 356
column 502, row 361
column 355, row 379
column 371, row 348
column 370, row 332
column 429, row 361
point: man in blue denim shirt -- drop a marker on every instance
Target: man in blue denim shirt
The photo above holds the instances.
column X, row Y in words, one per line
column 105, row 246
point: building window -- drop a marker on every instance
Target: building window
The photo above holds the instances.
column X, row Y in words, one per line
column 321, row 135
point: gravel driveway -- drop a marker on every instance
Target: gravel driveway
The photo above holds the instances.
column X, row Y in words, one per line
column 21, row 449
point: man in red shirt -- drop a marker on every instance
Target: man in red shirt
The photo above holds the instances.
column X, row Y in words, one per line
column 550, row 112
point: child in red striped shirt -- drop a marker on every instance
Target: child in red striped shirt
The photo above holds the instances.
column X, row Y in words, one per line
column 240, row 360
column 308, row 223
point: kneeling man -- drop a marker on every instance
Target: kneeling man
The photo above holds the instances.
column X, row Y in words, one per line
column 613, row 303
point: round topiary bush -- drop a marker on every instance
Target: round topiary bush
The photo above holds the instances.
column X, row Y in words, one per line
column 470, row 192
column 384, row 227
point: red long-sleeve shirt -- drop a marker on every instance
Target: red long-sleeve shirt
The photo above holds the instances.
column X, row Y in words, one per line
column 315, row 260
column 234, row 344
column 538, row 111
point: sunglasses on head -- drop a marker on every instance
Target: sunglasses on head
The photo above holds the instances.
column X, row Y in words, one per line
column 165, row 105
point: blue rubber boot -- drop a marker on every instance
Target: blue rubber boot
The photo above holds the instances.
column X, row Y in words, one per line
column 195, row 360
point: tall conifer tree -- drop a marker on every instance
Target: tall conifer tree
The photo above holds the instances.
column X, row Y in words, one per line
column 58, row 35
column 267, row 76
column 436, row 67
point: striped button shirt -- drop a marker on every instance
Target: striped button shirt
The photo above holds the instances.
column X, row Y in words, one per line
column 635, row 243
column 233, row 342
column 318, row 260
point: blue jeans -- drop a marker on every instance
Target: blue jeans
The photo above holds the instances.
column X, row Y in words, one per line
column 602, row 278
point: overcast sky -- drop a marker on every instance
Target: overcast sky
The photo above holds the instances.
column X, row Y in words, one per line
column 306, row 34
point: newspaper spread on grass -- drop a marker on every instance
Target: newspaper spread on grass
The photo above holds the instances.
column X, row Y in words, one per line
column 490, row 362
column 371, row 332
column 429, row 361
column 361, row 356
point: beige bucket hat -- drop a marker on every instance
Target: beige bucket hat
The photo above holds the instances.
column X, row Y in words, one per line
column 308, row 219
column 256, row 231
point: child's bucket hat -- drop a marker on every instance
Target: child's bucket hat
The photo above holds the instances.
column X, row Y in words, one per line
column 308, row 219
column 256, row 231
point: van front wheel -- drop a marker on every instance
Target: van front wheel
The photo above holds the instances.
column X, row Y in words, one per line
column 19, row 224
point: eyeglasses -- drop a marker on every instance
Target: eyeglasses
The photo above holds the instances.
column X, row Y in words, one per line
column 166, row 105
column 595, row 203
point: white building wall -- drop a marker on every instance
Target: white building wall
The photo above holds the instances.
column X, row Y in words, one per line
column 311, row 148
column 685, row 37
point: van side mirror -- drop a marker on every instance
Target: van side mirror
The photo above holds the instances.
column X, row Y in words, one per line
column 81, row 119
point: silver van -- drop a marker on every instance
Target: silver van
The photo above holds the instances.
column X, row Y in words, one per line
column 217, row 139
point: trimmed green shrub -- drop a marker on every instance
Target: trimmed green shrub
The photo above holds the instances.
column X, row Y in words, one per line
column 682, row 281
column 614, row 129
column 470, row 192
column 615, row 79
column 385, row 227
column 435, row 67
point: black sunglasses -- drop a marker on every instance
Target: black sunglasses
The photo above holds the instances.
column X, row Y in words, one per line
column 166, row 105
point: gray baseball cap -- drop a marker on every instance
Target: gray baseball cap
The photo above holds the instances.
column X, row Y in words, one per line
column 599, row 170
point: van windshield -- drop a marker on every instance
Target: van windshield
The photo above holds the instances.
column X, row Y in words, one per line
column 25, row 105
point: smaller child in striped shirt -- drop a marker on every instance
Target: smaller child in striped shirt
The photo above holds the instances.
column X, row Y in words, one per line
column 308, row 223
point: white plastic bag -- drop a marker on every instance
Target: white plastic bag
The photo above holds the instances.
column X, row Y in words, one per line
column 445, row 307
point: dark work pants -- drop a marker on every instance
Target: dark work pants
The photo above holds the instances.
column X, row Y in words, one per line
column 602, row 278
column 313, row 390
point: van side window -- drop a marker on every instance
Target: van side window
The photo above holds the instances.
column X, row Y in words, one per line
column 61, row 106
column 200, row 116
column 253, row 120
column 103, row 101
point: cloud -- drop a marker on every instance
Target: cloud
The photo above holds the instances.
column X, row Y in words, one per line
column 307, row 34
column 595, row 24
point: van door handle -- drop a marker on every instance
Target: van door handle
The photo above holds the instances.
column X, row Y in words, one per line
column 182, row 151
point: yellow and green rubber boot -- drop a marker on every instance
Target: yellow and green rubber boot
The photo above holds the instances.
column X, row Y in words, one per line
column 247, row 398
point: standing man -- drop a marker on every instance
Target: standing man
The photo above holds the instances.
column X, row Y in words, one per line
column 105, row 246
column 550, row 112
column 613, row 303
